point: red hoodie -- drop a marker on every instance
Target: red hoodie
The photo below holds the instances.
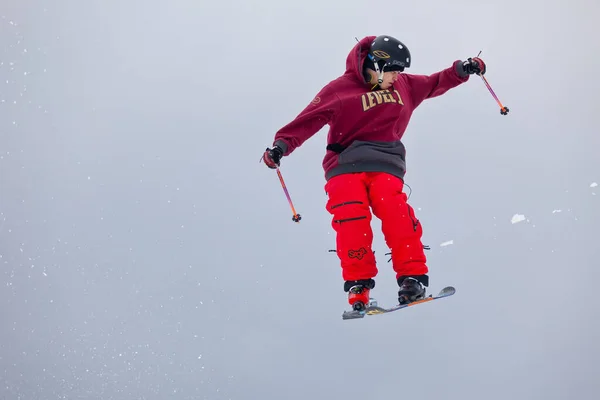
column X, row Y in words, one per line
column 365, row 126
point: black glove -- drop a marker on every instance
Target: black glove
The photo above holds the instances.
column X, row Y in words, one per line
column 474, row 65
column 272, row 157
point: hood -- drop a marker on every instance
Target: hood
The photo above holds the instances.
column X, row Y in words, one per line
column 356, row 57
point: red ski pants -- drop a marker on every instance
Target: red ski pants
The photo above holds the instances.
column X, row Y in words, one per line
column 351, row 199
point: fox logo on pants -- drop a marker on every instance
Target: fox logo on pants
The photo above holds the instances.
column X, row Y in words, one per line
column 360, row 253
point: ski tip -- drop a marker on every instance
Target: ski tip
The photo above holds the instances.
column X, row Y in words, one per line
column 447, row 291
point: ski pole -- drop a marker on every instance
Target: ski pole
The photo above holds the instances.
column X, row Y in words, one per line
column 295, row 217
column 503, row 109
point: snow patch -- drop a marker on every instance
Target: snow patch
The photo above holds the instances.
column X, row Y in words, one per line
column 447, row 243
column 517, row 218
column 593, row 184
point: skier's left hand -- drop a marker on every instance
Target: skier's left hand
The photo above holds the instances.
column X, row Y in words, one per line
column 474, row 65
column 272, row 157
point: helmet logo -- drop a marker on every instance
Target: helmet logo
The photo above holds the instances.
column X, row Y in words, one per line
column 396, row 62
column 381, row 54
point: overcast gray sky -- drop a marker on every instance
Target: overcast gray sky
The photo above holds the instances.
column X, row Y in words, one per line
column 146, row 254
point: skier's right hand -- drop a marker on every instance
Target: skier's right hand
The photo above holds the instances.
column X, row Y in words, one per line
column 272, row 157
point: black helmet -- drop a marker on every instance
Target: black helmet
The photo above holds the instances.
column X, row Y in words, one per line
column 389, row 54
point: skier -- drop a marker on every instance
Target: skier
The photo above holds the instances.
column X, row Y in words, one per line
column 368, row 109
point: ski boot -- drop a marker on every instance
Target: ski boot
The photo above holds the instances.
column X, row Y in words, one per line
column 411, row 289
column 358, row 293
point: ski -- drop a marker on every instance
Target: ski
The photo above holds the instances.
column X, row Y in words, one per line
column 374, row 309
